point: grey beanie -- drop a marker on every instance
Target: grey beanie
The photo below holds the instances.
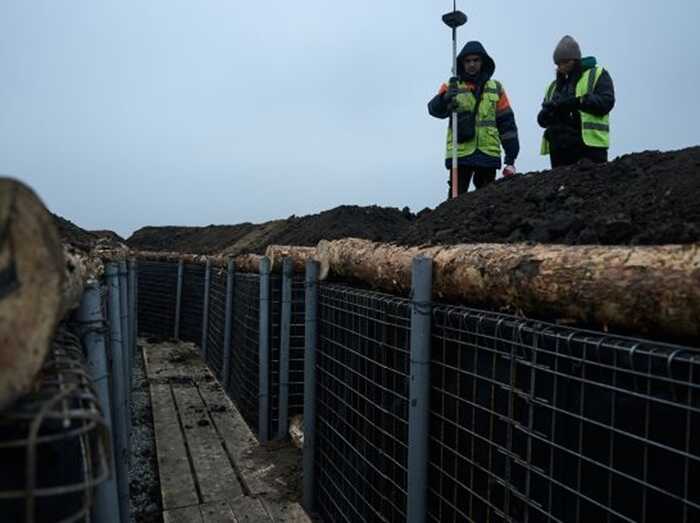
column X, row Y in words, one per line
column 567, row 49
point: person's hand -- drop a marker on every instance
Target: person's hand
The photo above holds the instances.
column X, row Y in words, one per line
column 452, row 90
column 508, row 171
column 571, row 103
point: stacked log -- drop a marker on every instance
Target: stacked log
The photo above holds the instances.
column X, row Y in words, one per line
column 35, row 291
column 641, row 289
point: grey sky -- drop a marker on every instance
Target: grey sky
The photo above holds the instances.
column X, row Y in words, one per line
column 123, row 114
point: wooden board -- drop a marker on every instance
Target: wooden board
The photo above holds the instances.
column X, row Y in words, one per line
column 249, row 510
column 215, row 475
column 183, row 515
column 176, row 481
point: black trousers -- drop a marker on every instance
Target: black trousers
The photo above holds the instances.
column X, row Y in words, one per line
column 482, row 177
column 562, row 157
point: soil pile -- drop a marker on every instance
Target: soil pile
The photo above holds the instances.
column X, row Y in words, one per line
column 74, row 235
column 372, row 223
column 195, row 240
column 650, row 198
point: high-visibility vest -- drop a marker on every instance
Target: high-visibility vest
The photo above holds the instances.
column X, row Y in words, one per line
column 486, row 138
column 595, row 130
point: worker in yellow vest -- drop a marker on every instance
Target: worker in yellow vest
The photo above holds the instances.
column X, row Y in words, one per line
column 485, row 121
column 576, row 108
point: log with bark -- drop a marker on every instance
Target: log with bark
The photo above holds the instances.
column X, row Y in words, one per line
column 641, row 289
column 32, row 279
column 299, row 256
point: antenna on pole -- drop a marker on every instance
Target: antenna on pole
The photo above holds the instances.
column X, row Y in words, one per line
column 454, row 20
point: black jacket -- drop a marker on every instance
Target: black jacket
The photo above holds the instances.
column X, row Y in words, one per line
column 567, row 124
column 505, row 119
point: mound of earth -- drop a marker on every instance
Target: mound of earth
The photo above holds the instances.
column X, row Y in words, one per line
column 372, row 223
column 649, row 198
column 196, row 240
column 74, row 235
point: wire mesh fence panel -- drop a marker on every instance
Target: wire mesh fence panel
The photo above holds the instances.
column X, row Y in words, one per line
column 296, row 347
column 216, row 320
column 192, row 306
column 157, row 292
column 243, row 384
column 54, row 444
column 538, row 423
column 362, row 407
column 275, row 343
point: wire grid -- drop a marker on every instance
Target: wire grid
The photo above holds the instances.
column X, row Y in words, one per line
column 54, row 444
column 192, row 305
column 536, row 423
column 244, row 360
column 297, row 345
column 157, row 294
column 216, row 320
column 275, row 344
column 363, row 365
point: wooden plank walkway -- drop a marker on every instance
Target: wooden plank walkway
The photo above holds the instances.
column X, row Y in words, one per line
column 207, row 460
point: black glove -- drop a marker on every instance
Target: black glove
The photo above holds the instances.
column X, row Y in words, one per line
column 568, row 104
column 452, row 90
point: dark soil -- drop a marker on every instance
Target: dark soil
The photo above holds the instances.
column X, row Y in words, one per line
column 372, row 223
column 85, row 240
column 286, row 475
column 650, row 198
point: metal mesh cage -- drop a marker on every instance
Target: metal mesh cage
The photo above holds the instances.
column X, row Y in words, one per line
column 362, row 410
column 533, row 422
column 243, row 383
column 216, row 320
column 192, row 306
column 54, row 445
column 157, row 296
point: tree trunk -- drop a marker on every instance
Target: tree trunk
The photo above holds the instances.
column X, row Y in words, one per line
column 32, row 273
column 642, row 289
column 299, row 256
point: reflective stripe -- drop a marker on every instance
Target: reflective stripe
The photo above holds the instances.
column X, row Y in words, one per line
column 486, row 123
column 489, row 90
column 596, row 126
column 509, row 135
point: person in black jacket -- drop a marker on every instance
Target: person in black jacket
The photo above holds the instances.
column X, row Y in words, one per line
column 485, row 120
column 576, row 107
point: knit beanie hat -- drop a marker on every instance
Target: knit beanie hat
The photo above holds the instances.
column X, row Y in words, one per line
column 567, row 49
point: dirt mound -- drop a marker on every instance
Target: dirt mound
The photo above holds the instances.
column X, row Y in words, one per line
column 197, row 240
column 108, row 236
column 71, row 233
column 372, row 223
column 650, row 198
column 380, row 224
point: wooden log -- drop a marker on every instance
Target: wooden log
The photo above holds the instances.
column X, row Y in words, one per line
column 641, row 289
column 31, row 281
column 299, row 256
column 247, row 263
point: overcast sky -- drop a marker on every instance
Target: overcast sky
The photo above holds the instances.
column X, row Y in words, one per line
column 122, row 114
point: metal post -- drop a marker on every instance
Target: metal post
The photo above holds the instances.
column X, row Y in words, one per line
column 178, row 298
column 228, row 320
column 311, row 337
column 205, row 308
column 128, row 357
column 106, row 506
column 419, row 390
column 133, row 307
column 285, row 327
column 118, row 390
column 264, row 351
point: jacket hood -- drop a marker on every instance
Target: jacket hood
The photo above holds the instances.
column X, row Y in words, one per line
column 488, row 67
column 589, row 62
